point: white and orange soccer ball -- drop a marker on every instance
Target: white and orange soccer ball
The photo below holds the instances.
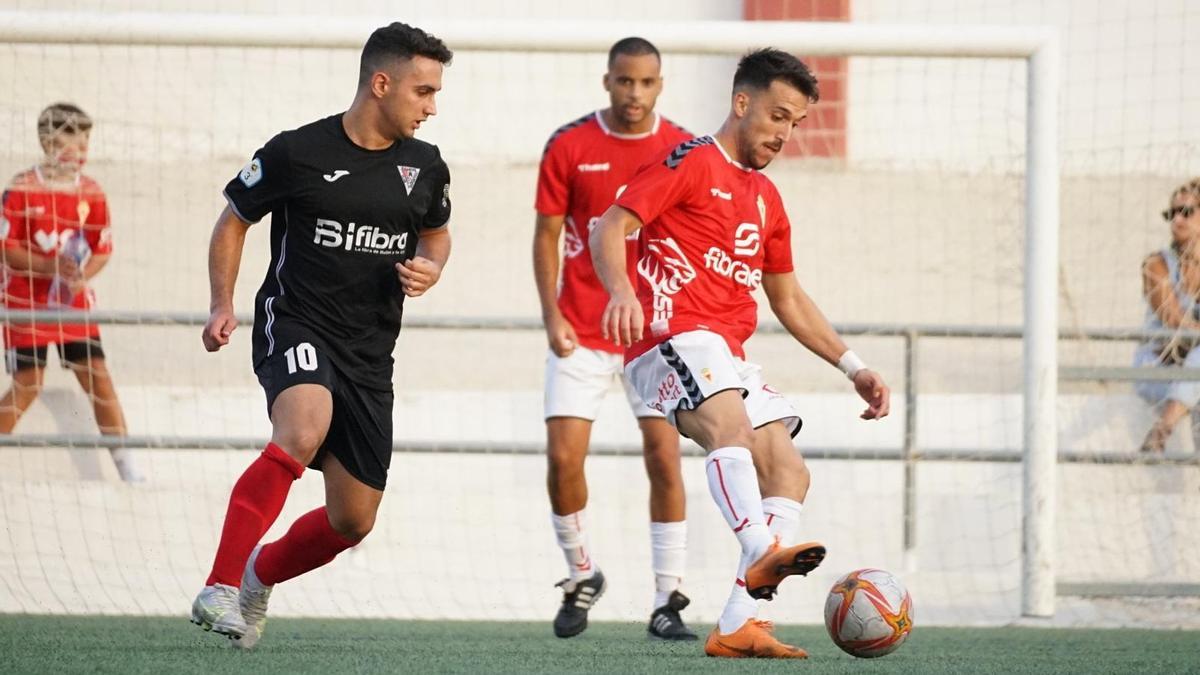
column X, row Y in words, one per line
column 868, row 613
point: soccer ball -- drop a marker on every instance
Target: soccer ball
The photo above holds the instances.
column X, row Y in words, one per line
column 868, row 613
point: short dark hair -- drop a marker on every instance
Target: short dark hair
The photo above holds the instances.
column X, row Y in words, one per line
column 62, row 117
column 632, row 46
column 759, row 68
column 399, row 41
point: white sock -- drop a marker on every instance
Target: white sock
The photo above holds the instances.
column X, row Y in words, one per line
column 739, row 608
column 733, row 483
column 668, row 552
column 783, row 518
column 127, row 467
column 572, row 539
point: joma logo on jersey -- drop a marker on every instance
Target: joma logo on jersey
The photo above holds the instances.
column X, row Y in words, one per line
column 364, row 239
column 722, row 263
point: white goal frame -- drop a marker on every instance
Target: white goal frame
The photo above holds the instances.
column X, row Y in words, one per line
column 1037, row 46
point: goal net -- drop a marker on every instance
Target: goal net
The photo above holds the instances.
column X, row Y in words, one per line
column 913, row 240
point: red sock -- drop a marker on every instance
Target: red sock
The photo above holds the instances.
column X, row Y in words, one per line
column 257, row 498
column 310, row 543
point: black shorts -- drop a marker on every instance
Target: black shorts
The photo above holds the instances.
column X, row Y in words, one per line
column 360, row 431
column 24, row 358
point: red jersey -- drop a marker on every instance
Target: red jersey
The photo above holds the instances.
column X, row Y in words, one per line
column 584, row 167
column 41, row 218
column 710, row 229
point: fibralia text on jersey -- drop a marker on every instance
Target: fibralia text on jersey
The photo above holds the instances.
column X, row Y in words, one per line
column 352, row 237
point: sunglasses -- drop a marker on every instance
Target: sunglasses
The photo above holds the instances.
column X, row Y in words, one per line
column 1185, row 211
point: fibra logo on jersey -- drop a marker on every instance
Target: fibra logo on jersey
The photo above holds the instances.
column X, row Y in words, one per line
column 359, row 238
column 746, row 243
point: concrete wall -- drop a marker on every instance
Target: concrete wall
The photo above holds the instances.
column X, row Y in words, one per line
column 88, row 546
column 1124, row 105
column 934, row 170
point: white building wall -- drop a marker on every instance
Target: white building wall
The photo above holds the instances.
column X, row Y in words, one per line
column 1127, row 104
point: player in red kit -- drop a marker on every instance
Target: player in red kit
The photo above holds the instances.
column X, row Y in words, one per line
column 713, row 229
column 584, row 167
column 56, row 235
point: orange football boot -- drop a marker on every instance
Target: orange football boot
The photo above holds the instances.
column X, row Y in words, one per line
column 754, row 640
column 763, row 575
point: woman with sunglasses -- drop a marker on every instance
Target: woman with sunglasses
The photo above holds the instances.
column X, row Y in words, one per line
column 1171, row 286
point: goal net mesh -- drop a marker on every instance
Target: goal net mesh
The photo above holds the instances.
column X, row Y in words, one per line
column 919, row 224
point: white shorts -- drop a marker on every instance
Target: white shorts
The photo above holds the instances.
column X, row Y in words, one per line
column 576, row 385
column 683, row 371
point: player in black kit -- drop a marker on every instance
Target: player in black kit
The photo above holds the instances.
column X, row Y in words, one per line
column 358, row 221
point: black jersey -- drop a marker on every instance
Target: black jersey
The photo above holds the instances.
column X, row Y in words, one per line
column 341, row 217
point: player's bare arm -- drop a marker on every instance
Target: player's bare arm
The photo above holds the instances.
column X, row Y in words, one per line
column 21, row 259
column 94, row 265
column 76, row 277
column 224, row 258
column 425, row 268
column 622, row 320
column 559, row 332
column 805, row 321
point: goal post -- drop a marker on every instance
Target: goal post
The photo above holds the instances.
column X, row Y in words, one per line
column 1041, row 334
column 1036, row 46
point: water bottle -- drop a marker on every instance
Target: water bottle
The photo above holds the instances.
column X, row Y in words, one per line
column 76, row 248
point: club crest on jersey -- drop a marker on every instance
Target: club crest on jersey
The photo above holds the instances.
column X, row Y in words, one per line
column 409, row 175
column 252, row 173
column 83, row 209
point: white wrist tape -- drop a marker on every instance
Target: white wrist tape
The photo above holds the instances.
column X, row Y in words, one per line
column 850, row 364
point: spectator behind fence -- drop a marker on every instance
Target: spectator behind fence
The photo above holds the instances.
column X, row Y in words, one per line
column 55, row 229
column 1171, row 286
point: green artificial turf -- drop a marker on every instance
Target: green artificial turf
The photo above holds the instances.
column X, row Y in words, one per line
column 54, row 644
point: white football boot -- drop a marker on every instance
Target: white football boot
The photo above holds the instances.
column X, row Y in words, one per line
column 216, row 609
column 253, row 603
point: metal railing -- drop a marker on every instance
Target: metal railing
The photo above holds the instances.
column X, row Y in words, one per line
column 908, row 453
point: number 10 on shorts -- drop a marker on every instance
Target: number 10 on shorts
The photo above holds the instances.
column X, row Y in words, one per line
column 302, row 355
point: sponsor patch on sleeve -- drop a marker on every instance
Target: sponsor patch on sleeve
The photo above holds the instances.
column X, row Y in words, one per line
column 252, row 173
column 446, row 195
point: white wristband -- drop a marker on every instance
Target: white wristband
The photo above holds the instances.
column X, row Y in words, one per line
column 850, row 364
